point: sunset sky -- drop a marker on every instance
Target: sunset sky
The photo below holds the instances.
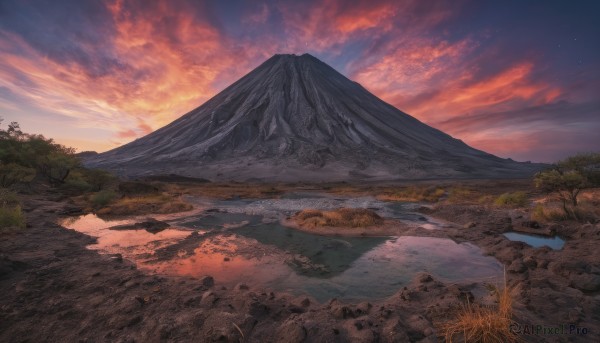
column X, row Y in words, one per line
column 518, row 79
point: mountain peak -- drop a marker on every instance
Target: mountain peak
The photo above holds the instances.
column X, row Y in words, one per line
column 304, row 55
column 294, row 118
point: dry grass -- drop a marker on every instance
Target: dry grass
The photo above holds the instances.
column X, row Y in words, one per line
column 460, row 195
column 343, row 217
column 11, row 218
column 549, row 213
column 226, row 190
column 512, row 199
column 158, row 203
column 549, row 208
column 476, row 323
column 414, row 194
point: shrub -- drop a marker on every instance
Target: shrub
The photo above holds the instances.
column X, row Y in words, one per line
column 13, row 173
column 11, row 217
column 98, row 179
column 515, row 199
column 76, row 186
column 583, row 213
column 134, row 188
column 569, row 177
column 103, row 198
column 8, row 198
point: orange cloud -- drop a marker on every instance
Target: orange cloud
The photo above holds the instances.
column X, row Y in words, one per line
column 127, row 134
column 432, row 81
column 169, row 63
column 330, row 23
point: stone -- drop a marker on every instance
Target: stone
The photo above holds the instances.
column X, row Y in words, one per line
column 305, row 302
column 530, row 262
column 241, row 287
column 363, row 308
column 586, row 282
column 291, row 331
column 423, row 278
column 531, row 224
column 469, row 225
column 207, row 281
column 517, row 266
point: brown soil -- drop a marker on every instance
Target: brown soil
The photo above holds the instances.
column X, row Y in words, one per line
column 55, row 290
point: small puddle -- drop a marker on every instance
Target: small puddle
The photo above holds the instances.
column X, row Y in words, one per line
column 129, row 243
column 536, row 241
column 242, row 241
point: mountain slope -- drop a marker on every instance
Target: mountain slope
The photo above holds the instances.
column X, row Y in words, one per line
column 295, row 118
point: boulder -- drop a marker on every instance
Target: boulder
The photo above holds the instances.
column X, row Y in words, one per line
column 586, row 282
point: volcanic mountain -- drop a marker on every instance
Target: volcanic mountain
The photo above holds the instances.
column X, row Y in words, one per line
column 294, row 118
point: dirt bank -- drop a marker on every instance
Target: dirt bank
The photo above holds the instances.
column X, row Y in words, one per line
column 55, row 290
column 554, row 287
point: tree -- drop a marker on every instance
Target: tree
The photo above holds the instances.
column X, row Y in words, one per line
column 98, row 178
column 30, row 151
column 56, row 166
column 13, row 173
column 569, row 177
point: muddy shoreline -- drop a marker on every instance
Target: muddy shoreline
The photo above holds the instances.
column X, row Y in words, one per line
column 54, row 289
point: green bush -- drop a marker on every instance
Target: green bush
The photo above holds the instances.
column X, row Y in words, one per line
column 8, row 198
column 11, row 217
column 13, row 173
column 76, row 186
column 98, row 179
column 516, row 199
column 103, row 198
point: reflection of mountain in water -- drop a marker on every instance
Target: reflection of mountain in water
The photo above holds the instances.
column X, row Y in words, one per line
column 336, row 254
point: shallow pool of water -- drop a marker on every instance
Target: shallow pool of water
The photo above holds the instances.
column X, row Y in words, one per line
column 536, row 241
column 242, row 241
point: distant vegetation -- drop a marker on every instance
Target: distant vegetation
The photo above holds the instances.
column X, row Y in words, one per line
column 27, row 157
column 28, row 161
column 418, row 194
column 514, row 199
column 567, row 179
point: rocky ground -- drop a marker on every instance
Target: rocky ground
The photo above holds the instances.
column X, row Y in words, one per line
column 553, row 287
column 55, row 290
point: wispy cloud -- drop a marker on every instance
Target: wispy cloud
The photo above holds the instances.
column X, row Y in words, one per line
column 131, row 66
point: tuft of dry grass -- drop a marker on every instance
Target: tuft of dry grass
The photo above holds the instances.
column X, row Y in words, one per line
column 476, row 323
column 342, row 217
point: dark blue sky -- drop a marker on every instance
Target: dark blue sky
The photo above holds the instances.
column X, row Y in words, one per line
column 519, row 79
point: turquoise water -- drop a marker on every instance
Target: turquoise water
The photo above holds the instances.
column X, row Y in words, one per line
column 242, row 241
column 536, row 241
